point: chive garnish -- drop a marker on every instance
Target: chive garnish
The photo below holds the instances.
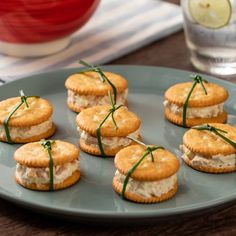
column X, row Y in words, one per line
column 197, row 80
column 101, row 75
column 217, row 132
column 111, row 112
column 47, row 145
column 23, row 100
column 149, row 150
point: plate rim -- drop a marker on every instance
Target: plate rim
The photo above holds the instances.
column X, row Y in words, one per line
column 120, row 215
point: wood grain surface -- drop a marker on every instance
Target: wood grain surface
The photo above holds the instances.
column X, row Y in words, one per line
column 169, row 52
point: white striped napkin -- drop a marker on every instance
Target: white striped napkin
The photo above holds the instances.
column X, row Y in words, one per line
column 117, row 28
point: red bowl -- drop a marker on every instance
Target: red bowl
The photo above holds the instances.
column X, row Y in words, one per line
column 36, row 21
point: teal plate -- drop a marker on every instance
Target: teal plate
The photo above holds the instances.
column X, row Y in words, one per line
column 92, row 198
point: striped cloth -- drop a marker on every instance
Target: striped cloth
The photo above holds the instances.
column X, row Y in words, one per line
column 118, row 27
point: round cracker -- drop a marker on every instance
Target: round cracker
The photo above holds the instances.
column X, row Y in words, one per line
column 45, row 187
column 39, row 110
column 90, row 119
column 39, row 136
column 178, row 93
column 117, row 186
column 206, row 143
column 178, row 120
column 165, row 163
column 89, row 83
column 34, row 155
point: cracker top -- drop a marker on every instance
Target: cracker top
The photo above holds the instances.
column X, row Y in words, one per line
column 207, row 143
column 165, row 163
column 39, row 110
column 178, row 93
column 89, row 83
column 89, row 120
column 34, row 154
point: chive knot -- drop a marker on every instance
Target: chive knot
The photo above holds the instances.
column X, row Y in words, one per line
column 197, row 80
column 47, row 144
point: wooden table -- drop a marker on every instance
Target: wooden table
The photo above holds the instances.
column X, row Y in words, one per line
column 169, row 52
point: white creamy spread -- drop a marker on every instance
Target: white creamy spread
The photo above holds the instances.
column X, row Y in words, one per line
column 202, row 112
column 148, row 189
column 41, row 175
column 83, row 101
column 27, row 132
column 217, row 161
column 108, row 142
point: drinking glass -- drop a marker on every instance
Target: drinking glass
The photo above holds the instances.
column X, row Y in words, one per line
column 210, row 32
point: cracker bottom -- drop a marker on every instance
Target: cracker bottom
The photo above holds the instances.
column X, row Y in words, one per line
column 110, row 152
column 75, row 108
column 208, row 169
column 45, row 187
column 35, row 138
column 117, row 186
column 78, row 109
column 221, row 118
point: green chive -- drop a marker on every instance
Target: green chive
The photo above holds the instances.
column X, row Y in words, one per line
column 86, row 64
column 98, row 130
column 6, row 121
column 98, row 135
column 197, row 80
column 51, row 184
column 47, row 145
column 217, row 132
column 23, row 98
column 99, row 139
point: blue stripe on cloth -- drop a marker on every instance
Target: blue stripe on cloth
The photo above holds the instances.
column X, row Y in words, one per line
column 2, row 81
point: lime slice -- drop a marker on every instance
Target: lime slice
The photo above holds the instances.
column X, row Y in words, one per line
column 211, row 13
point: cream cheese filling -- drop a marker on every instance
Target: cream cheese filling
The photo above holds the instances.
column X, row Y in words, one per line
column 216, row 161
column 93, row 100
column 202, row 112
column 41, row 175
column 27, row 132
column 148, row 189
column 108, row 142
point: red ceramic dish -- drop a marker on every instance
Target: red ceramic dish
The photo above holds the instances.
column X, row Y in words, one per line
column 37, row 21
